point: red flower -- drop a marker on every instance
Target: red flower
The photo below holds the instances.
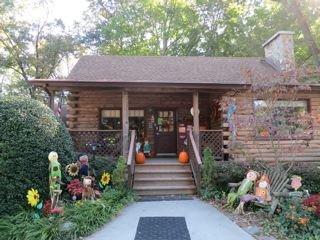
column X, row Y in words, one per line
column 314, row 202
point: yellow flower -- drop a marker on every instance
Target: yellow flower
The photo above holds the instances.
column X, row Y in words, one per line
column 72, row 169
column 33, row 197
column 105, row 178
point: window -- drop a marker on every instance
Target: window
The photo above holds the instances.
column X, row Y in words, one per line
column 165, row 121
column 282, row 118
column 111, row 119
column 136, row 122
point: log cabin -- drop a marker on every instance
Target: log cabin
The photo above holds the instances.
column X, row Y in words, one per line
column 118, row 103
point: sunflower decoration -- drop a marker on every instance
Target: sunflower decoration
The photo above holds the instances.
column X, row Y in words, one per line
column 105, row 179
column 33, row 197
column 72, row 169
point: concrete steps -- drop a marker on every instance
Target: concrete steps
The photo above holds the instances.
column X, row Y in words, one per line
column 163, row 178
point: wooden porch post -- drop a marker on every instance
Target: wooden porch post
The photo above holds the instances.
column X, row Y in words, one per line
column 125, row 123
column 196, row 127
column 51, row 100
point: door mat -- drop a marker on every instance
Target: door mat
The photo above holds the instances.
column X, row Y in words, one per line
column 165, row 198
column 162, row 228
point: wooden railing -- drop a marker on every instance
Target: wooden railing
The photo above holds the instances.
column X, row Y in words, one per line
column 106, row 143
column 131, row 158
column 195, row 160
column 214, row 140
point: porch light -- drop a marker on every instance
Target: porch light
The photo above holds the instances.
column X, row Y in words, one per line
column 192, row 111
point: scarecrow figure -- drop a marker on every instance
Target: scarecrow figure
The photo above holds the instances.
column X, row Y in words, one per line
column 84, row 165
column 245, row 186
column 54, row 179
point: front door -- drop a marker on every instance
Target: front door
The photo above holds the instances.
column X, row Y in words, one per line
column 165, row 132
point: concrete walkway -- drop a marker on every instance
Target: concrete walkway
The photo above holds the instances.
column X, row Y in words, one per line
column 203, row 221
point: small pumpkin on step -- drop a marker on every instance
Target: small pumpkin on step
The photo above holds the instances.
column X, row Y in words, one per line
column 140, row 158
column 183, row 157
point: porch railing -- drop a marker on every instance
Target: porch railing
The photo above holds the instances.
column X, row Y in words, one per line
column 106, row 143
column 131, row 158
column 195, row 160
column 214, row 140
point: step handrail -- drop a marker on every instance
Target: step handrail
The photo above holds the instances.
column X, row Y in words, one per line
column 195, row 160
column 131, row 158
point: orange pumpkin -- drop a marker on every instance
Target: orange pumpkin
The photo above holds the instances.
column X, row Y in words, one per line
column 183, row 157
column 140, row 158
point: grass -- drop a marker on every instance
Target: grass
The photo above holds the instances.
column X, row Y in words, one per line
column 79, row 219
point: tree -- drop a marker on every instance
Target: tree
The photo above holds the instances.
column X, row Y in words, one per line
column 32, row 50
column 143, row 27
column 294, row 6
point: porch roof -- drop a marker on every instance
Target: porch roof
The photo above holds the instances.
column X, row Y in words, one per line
column 160, row 70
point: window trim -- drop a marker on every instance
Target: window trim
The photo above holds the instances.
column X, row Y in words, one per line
column 119, row 109
column 307, row 100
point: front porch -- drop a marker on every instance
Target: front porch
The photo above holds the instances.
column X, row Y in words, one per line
column 110, row 124
column 105, row 120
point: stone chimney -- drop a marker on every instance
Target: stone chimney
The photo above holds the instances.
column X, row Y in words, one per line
column 279, row 51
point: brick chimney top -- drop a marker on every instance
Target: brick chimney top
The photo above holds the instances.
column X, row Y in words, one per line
column 279, row 51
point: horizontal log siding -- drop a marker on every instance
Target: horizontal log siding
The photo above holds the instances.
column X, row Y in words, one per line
column 256, row 147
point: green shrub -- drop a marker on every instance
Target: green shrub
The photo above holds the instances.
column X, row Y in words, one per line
column 118, row 177
column 297, row 222
column 229, row 172
column 78, row 220
column 29, row 131
column 209, row 173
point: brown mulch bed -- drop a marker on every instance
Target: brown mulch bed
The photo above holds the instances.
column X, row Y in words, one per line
column 257, row 218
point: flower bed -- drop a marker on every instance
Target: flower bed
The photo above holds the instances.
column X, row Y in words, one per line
column 79, row 219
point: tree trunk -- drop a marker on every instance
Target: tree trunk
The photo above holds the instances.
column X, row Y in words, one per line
column 295, row 7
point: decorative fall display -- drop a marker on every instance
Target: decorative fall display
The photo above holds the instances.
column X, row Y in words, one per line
column 105, row 179
column 88, row 192
column 262, row 190
column 245, row 186
column 33, row 197
column 140, row 158
column 54, row 178
column 84, row 165
column 75, row 189
column 183, row 157
column 72, row 169
column 296, row 182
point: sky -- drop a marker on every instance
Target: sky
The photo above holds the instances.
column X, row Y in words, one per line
column 68, row 11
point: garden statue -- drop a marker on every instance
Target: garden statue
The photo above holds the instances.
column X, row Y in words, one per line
column 147, row 148
column 54, row 179
column 245, row 186
column 88, row 191
column 262, row 190
column 296, row 182
column 84, row 165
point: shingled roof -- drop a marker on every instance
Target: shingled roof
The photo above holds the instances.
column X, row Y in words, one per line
column 165, row 69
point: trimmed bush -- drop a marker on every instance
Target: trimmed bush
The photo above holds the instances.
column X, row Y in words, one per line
column 28, row 132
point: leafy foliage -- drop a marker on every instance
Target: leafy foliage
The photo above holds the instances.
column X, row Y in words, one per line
column 79, row 219
column 297, row 221
column 119, row 174
column 28, row 132
column 209, row 172
column 31, row 50
column 202, row 27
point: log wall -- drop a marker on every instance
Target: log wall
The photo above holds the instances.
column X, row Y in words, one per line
column 247, row 146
